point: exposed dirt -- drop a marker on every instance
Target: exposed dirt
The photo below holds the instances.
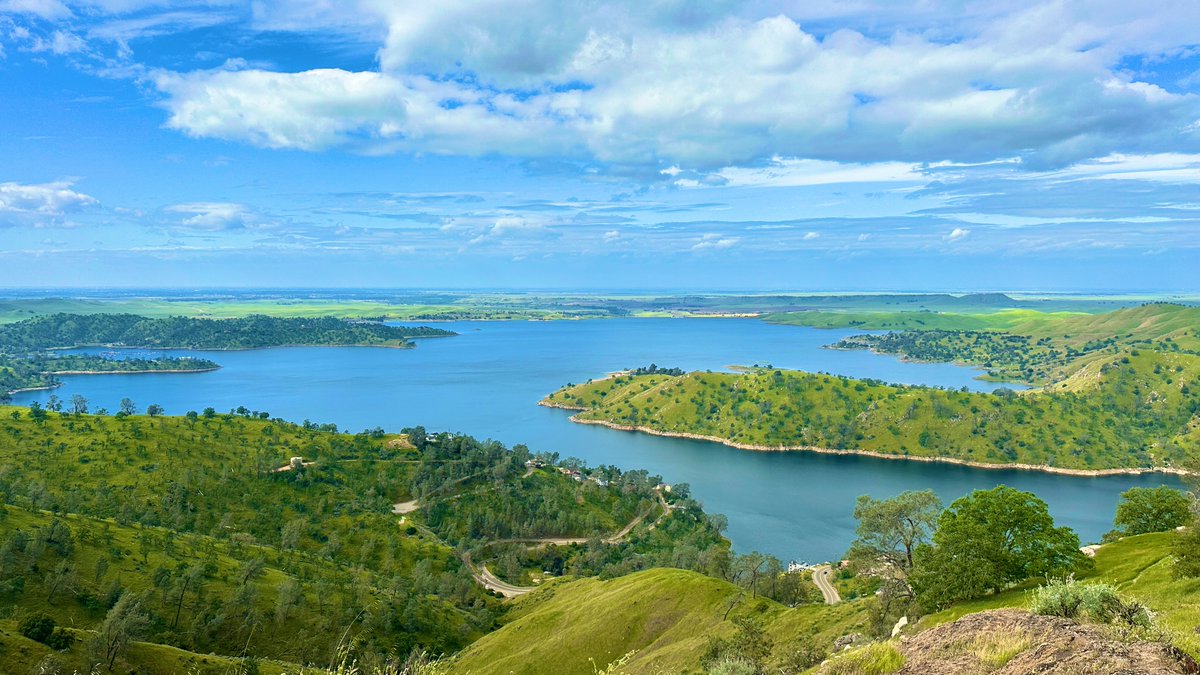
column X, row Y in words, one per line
column 1014, row 642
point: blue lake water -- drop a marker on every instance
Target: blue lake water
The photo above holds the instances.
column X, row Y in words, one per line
column 486, row 382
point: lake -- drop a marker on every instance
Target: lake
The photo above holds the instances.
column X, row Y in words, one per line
column 486, row 382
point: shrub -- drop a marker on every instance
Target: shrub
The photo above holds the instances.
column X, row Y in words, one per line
column 1099, row 602
column 803, row 653
column 878, row 658
column 60, row 640
column 37, row 627
column 733, row 666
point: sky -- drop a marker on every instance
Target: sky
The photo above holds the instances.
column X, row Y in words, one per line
column 813, row 145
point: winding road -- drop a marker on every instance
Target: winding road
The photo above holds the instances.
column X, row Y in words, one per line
column 484, row 577
column 821, row 577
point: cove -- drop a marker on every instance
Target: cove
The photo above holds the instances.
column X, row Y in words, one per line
column 486, row 382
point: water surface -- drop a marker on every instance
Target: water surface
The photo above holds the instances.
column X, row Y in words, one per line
column 486, row 382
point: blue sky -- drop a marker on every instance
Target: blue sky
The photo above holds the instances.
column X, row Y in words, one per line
column 818, row 145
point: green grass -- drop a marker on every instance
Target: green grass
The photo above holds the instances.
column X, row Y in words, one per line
column 1130, row 410
column 877, row 658
column 664, row 617
column 19, row 654
column 920, row 320
column 1140, row 567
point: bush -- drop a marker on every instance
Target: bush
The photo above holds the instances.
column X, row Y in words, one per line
column 37, row 627
column 60, row 640
column 733, row 666
column 803, row 653
column 878, row 658
column 1099, row 602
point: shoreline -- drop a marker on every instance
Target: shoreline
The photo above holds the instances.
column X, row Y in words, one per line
column 1083, row 473
column 409, row 345
column 132, row 372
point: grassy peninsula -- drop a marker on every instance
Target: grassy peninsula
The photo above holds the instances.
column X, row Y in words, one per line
column 1131, row 410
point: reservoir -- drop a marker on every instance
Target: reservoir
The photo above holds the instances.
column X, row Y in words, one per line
column 487, row 381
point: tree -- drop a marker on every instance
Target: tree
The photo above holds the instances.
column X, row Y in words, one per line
column 127, row 407
column 124, row 623
column 988, row 540
column 154, row 410
column 1145, row 510
column 54, row 403
column 79, row 404
column 891, row 529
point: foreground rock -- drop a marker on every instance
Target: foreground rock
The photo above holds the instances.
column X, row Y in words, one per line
column 1013, row 642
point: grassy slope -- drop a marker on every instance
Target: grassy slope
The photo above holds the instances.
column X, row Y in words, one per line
column 19, row 654
column 1142, row 568
column 1018, row 345
column 664, row 616
column 1134, row 411
column 919, row 320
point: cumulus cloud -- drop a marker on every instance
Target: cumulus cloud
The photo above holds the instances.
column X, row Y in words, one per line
column 810, row 235
column 670, row 88
column 41, row 204
column 715, row 242
column 957, row 233
column 215, row 216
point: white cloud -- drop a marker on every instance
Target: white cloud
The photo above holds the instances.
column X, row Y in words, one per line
column 45, row 9
column 809, row 236
column 41, row 204
column 612, row 235
column 215, row 216
column 715, row 242
column 712, row 88
column 800, row 172
column 957, row 233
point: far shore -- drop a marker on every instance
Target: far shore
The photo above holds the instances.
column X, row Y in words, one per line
column 867, row 453
column 408, row 345
column 132, row 372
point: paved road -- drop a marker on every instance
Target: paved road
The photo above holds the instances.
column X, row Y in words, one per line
column 491, row 582
column 821, row 576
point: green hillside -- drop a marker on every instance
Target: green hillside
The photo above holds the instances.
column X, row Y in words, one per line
column 662, row 617
column 1137, row 410
column 227, row 544
column 1030, row 346
column 665, row 618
